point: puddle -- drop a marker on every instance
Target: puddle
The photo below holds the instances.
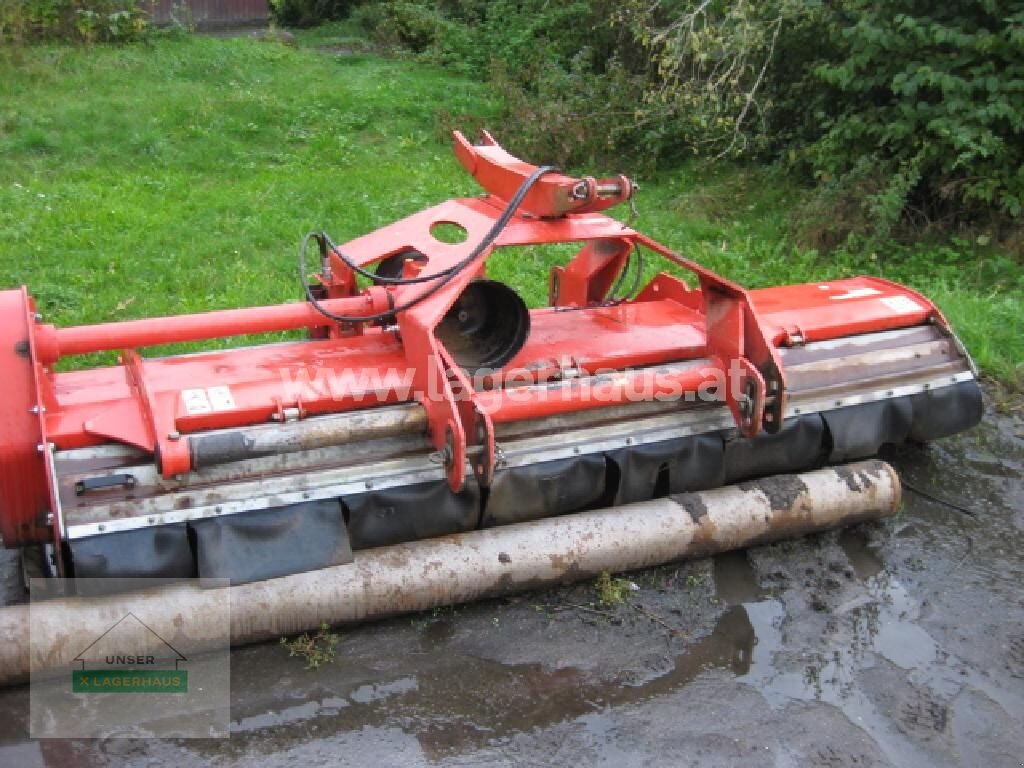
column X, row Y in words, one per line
column 464, row 703
column 735, row 580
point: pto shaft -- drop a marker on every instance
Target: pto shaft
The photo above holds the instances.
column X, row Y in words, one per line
column 54, row 343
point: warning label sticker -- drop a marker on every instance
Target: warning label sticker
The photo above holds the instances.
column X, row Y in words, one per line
column 208, row 400
column 901, row 304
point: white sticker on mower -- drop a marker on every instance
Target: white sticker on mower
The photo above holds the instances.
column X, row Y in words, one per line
column 209, row 400
column 221, row 399
column 901, row 304
column 856, row 293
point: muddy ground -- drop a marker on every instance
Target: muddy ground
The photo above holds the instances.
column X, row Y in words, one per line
column 898, row 643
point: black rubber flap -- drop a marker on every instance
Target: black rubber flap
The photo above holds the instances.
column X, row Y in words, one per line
column 946, row 411
column 263, row 544
column 641, row 472
column 700, row 465
column 796, row 447
column 394, row 515
column 859, row 431
column 634, row 472
column 147, row 553
column 545, row 489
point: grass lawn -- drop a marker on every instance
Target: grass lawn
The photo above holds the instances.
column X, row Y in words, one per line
column 180, row 174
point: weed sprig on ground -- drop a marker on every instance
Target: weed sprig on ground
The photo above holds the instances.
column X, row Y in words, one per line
column 315, row 649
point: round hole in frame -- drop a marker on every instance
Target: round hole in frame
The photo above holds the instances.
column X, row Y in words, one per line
column 448, row 232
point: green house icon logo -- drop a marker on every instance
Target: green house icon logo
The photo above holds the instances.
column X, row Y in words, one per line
column 129, row 658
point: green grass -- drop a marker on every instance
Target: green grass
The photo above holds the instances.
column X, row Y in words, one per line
column 179, row 175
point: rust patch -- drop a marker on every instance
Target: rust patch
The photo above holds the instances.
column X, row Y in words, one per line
column 561, row 563
column 504, row 557
column 704, row 538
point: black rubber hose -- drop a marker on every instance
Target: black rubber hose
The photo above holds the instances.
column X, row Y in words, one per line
column 442, row 278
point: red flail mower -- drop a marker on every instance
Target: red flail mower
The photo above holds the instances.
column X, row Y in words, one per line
column 432, row 401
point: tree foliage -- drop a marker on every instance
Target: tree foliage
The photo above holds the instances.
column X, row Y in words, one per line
column 307, row 13
column 929, row 98
column 88, row 21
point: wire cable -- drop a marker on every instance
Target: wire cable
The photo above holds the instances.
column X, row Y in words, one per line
column 635, row 264
column 938, row 499
column 440, row 279
column 325, row 240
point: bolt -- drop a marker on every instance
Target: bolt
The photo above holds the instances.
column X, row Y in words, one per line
column 41, row 448
column 174, row 435
column 37, row 409
column 369, row 485
column 101, row 527
column 38, row 317
column 49, row 518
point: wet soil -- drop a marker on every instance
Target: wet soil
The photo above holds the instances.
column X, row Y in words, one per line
column 896, row 643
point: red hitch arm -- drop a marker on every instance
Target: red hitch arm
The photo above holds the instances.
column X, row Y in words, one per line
column 555, row 195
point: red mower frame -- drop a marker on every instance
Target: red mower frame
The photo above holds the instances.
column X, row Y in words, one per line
column 140, row 402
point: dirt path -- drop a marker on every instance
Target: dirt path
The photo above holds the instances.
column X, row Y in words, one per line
column 892, row 644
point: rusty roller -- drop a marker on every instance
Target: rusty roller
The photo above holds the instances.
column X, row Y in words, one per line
column 424, row 574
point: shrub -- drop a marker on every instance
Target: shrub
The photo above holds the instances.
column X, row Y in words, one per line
column 308, row 13
column 928, row 99
column 71, row 20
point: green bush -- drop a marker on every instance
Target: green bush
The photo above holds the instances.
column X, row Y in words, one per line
column 87, row 21
column 416, row 26
column 925, row 103
column 308, row 13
